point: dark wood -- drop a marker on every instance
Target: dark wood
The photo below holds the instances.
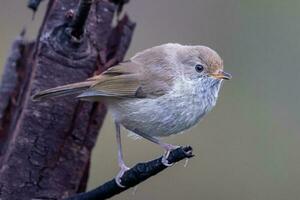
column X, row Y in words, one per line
column 46, row 146
column 79, row 19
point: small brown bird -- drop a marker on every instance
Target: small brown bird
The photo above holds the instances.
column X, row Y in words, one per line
column 160, row 91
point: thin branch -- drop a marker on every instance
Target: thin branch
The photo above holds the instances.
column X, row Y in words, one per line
column 120, row 3
column 78, row 23
column 34, row 4
column 134, row 176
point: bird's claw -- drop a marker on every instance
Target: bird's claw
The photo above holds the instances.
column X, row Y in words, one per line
column 168, row 148
column 165, row 162
column 120, row 175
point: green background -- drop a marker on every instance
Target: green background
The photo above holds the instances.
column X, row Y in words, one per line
column 248, row 147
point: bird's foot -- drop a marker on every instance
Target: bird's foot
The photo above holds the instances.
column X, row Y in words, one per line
column 123, row 169
column 168, row 148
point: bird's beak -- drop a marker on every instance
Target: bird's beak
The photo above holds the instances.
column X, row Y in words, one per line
column 221, row 75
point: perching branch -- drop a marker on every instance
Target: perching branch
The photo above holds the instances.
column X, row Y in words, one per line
column 134, row 176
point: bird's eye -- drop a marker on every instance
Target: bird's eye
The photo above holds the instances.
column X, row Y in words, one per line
column 199, row 68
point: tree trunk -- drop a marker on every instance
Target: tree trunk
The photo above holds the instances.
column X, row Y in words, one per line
column 45, row 147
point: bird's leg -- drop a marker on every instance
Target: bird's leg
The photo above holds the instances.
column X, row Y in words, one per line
column 123, row 167
column 167, row 147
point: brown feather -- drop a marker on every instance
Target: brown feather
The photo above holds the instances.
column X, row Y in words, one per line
column 75, row 88
column 128, row 79
column 137, row 78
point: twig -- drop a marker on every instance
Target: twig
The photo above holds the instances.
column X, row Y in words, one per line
column 120, row 3
column 34, row 4
column 134, row 176
column 77, row 24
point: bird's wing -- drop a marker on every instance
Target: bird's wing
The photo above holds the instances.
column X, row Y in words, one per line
column 128, row 79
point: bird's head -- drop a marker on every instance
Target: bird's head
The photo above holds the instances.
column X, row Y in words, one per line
column 201, row 62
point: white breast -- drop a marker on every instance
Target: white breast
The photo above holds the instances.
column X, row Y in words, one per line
column 171, row 113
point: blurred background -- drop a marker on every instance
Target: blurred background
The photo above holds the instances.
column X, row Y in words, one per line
column 248, row 147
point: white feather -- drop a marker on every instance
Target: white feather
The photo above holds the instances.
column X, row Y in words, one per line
column 174, row 112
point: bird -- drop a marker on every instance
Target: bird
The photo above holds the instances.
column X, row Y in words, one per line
column 160, row 91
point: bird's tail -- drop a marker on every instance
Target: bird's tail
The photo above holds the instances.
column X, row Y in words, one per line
column 64, row 90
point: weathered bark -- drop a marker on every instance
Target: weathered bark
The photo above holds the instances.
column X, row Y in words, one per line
column 46, row 146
